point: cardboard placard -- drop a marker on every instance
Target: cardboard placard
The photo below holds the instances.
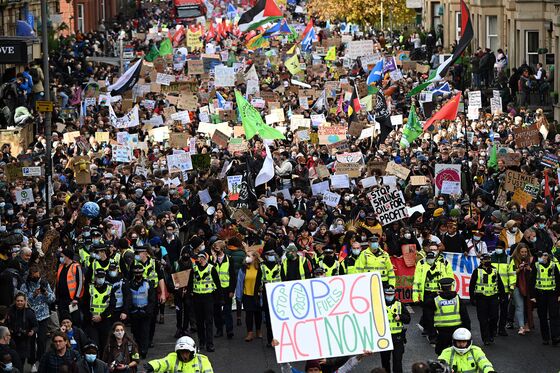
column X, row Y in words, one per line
column 418, row 180
column 521, row 197
column 178, row 140
column 220, row 138
column 516, row 180
column 526, row 136
column 397, row 170
column 351, row 169
column 195, row 67
column 181, row 279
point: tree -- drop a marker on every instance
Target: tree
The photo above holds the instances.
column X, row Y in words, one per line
column 362, row 12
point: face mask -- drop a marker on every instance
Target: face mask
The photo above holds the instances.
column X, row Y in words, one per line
column 150, row 223
column 137, row 258
column 374, row 245
column 248, row 260
column 95, row 256
column 389, row 298
column 541, row 226
column 513, row 229
column 113, row 232
column 2, row 204
column 96, row 240
column 430, row 261
column 107, row 197
column 10, row 212
column 476, row 238
column 499, row 251
column 362, row 215
column 170, row 234
column 119, row 335
column 441, row 203
column 113, row 273
column 271, row 258
column 533, row 240
column 356, row 252
column 407, row 236
column 202, row 248
column 86, row 234
column 417, row 192
column 558, row 208
column 61, row 259
column 90, row 358
column 541, row 260
column 8, row 367
column 100, row 281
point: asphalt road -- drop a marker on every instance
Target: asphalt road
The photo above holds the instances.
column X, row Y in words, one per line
column 509, row 354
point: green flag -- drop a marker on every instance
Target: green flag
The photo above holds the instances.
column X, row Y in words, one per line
column 165, row 47
column 412, row 130
column 493, row 160
column 152, row 54
column 252, row 121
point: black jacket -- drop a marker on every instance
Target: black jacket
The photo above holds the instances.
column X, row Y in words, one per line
column 474, row 279
column 98, row 366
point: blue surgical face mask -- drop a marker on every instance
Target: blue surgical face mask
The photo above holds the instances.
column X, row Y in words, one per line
column 533, row 240
column 8, row 367
column 95, row 256
column 389, row 298
column 100, row 281
column 441, row 203
column 558, row 208
column 96, row 240
column 499, row 251
column 137, row 258
column 90, row 358
column 61, row 259
column 541, row 260
column 362, row 215
column 356, row 251
column 542, row 225
column 113, row 273
column 271, row 258
column 374, row 245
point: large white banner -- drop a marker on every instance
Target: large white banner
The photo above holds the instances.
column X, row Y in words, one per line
column 328, row 317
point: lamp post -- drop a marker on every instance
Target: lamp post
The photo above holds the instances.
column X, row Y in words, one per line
column 48, row 115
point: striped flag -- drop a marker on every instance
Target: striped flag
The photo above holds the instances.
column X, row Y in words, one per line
column 127, row 80
column 263, row 12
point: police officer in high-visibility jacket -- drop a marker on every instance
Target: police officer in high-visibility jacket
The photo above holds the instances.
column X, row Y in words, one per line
column 143, row 302
column 222, row 305
column 501, row 261
column 185, row 359
column 294, row 266
column 485, row 290
column 99, row 304
column 203, row 284
column 544, row 290
column 398, row 316
column 270, row 274
column 330, row 263
column 120, row 292
column 349, row 263
column 374, row 259
column 425, row 285
column 447, row 313
column 463, row 356
column 99, row 259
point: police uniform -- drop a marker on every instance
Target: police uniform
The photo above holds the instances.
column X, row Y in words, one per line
column 270, row 274
column 330, row 264
column 379, row 260
column 485, row 290
column 99, row 301
column 545, row 289
column 501, row 261
column 349, row 264
column 473, row 361
column 222, row 306
column 447, row 313
column 425, row 285
column 170, row 363
column 395, row 310
column 120, row 293
column 204, row 283
column 143, row 300
column 296, row 269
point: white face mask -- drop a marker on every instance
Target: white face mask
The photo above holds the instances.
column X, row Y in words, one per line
column 407, row 236
column 430, row 261
column 476, row 238
column 248, row 260
column 119, row 335
column 513, row 229
column 356, row 251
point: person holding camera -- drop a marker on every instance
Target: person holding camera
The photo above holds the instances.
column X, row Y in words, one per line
column 23, row 325
column 121, row 352
column 39, row 297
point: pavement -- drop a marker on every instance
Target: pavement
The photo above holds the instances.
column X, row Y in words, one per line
column 513, row 353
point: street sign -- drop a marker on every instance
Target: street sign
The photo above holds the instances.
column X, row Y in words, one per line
column 44, row 106
column 31, row 171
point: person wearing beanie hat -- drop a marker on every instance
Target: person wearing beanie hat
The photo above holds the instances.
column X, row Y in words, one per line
column 69, row 285
column 511, row 235
column 475, row 244
column 294, row 266
column 438, row 212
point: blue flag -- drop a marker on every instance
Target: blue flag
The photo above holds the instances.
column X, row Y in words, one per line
column 231, row 11
column 307, row 41
column 376, row 72
column 221, row 100
column 444, row 88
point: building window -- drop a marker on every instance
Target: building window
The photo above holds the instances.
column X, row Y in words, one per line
column 457, row 25
column 437, row 12
column 492, row 32
column 102, row 10
column 81, row 20
column 532, row 47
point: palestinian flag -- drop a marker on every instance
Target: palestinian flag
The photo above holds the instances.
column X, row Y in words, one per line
column 127, row 80
column 354, row 107
column 264, row 11
column 467, row 34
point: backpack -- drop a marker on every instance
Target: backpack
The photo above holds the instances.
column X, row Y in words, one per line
column 34, row 75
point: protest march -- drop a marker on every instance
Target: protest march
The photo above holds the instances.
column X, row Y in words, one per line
column 344, row 194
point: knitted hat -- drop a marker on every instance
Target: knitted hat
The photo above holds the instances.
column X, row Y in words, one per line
column 311, row 364
column 455, row 213
column 438, row 212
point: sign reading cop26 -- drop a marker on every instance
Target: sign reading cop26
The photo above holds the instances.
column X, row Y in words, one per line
column 328, row 317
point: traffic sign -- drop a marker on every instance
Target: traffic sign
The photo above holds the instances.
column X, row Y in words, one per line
column 44, row 106
column 31, row 171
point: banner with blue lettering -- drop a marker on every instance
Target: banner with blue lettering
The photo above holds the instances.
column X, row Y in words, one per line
column 328, row 317
column 463, row 267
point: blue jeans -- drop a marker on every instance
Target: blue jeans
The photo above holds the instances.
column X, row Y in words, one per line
column 519, row 302
column 64, row 99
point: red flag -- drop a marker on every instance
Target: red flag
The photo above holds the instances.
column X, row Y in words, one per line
column 339, row 106
column 465, row 17
column 307, row 29
column 448, row 111
column 178, row 36
column 546, row 186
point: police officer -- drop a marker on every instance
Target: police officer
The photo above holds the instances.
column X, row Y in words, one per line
column 349, row 263
column 204, row 282
column 485, row 290
column 185, row 359
column 120, row 293
column 446, row 314
column 375, row 259
column 425, row 285
column 330, row 263
column 271, row 273
column 99, row 304
column 99, row 259
column 398, row 316
column 222, row 306
column 124, row 257
column 544, row 290
column 86, row 249
column 294, row 266
column 500, row 260
column 143, row 301
column 83, row 244
column 463, row 356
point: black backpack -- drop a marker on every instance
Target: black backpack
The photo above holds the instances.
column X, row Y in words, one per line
column 34, row 75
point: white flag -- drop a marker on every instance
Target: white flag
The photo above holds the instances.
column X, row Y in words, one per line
column 267, row 171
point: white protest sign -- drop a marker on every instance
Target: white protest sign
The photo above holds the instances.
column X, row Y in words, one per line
column 397, row 120
column 24, row 196
column 358, row 48
column 224, row 76
column 475, row 99
column 317, row 119
column 388, row 205
column 271, row 201
column 472, row 113
column 179, row 162
column 320, row 188
column 451, row 187
column 204, row 196
column 368, row 182
column 340, row 181
column 328, row 317
column 331, row 199
column 122, row 153
column 182, row 116
column 496, row 105
column 295, row 222
column 164, row 79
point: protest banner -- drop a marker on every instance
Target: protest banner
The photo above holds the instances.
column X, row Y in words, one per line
column 331, row 199
column 165, row 79
column 353, row 157
column 340, row 181
column 517, row 180
column 351, row 169
column 463, row 267
column 179, row 162
column 331, row 134
column 532, row 190
column 195, row 67
column 328, row 317
column 405, row 278
column 24, row 196
column 418, row 180
column 396, row 169
column 122, row 153
column 102, row 137
column 220, row 138
column 450, row 172
column 521, row 197
column 475, row 99
column 178, row 140
column 388, row 205
column 358, row 48
column 224, row 76
column 526, row 136
column 234, row 185
column 201, row 162
column 181, row 279
column 237, row 145
column 450, row 187
column 193, row 39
